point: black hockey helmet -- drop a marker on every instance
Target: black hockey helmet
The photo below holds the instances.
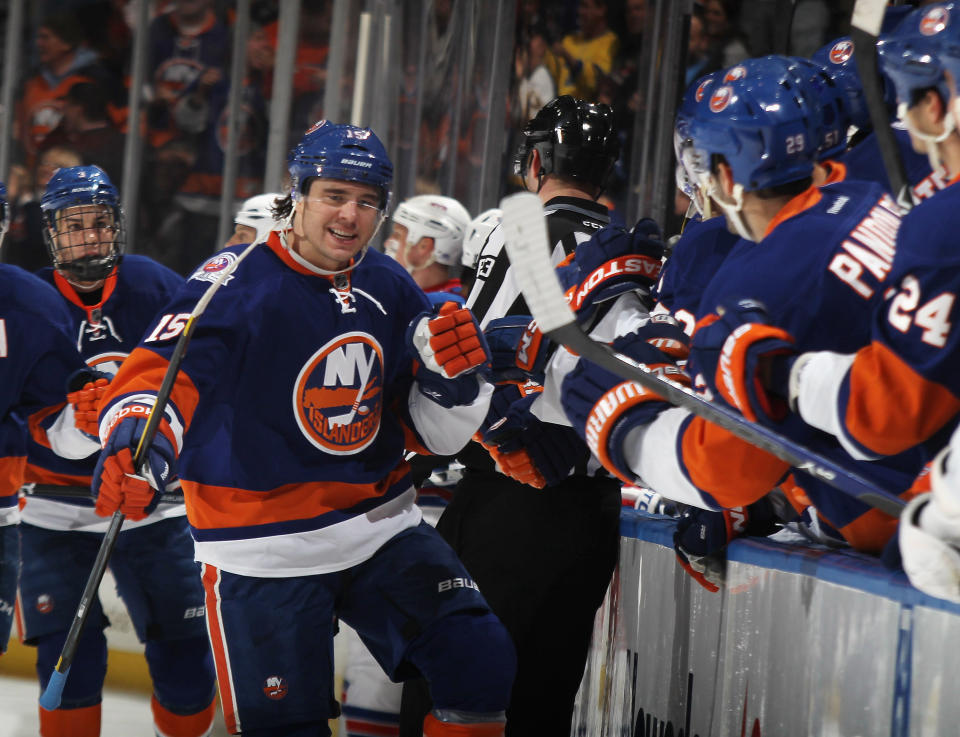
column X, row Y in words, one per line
column 575, row 139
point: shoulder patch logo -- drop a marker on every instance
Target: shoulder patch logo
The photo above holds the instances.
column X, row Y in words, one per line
column 338, row 396
column 211, row 270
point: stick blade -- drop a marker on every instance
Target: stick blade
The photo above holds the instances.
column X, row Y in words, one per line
column 528, row 246
column 868, row 16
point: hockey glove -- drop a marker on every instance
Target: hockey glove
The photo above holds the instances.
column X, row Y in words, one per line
column 451, row 351
column 85, row 390
column 603, row 408
column 613, row 262
column 116, row 483
column 930, row 529
column 518, row 350
column 531, row 451
column 702, row 536
column 745, row 360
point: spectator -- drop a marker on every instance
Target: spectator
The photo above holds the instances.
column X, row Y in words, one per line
column 64, row 61
column 699, row 60
column 189, row 48
column 86, row 126
column 582, row 57
column 536, row 87
column 727, row 44
column 24, row 245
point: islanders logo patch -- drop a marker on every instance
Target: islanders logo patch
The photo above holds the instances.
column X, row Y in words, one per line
column 338, row 396
column 702, row 88
column 934, row 21
column 721, row 98
column 841, row 51
column 275, row 688
column 215, row 266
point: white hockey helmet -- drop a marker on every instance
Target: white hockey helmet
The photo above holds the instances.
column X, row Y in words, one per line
column 433, row 216
column 257, row 213
column 477, row 233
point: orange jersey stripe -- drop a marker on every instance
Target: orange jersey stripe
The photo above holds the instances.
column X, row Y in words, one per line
column 218, row 507
column 37, row 433
column 143, row 371
column 890, row 406
column 729, row 469
column 12, row 469
column 38, row 475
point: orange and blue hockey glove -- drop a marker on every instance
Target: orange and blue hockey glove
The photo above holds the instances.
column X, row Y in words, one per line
column 450, row 354
column 745, row 360
column 85, row 390
column 116, row 483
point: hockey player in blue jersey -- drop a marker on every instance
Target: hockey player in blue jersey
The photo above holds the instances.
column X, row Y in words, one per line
column 863, row 159
column 752, row 147
column 111, row 299
column 913, row 352
column 38, row 359
column 310, row 372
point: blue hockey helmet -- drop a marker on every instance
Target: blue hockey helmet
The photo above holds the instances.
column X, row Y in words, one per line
column 760, row 118
column 88, row 193
column 835, row 118
column 340, row 151
column 918, row 51
column 685, row 179
column 837, row 60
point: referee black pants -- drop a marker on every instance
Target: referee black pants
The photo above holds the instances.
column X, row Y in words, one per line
column 543, row 560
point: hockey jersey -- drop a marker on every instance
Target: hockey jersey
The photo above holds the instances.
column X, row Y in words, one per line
column 821, row 269
column 292, row 407
column 103, row 334
column 904, row 387
column 864, row 161
column 36, row 358
column 693, row 262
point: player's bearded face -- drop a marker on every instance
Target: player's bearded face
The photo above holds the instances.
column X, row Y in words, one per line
column 334, row 221
column 85, row 230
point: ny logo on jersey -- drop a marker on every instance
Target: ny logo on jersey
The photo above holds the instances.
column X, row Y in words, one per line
column 338, row 397
column 345, row 299
column 91, row 331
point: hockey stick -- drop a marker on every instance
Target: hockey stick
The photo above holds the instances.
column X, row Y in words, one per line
column 77, row 492
column 50, row 698
column 525, row 235
column 865, row 28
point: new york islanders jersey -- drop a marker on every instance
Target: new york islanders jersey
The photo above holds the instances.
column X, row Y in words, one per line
column 904, row 387
column 293, row 406
column 821, row 269
column 36, row 358
column 864, row 161
column 693, row 262
column 103, row 334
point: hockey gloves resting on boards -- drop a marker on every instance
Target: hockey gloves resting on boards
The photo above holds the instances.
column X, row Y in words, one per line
column 745, row 360
column 929, row 533
column 612, row 263
column 116, row 484
column 531, row 451
column 451, row 354
column 603, row 408
column 85, row 390
column 702, row 536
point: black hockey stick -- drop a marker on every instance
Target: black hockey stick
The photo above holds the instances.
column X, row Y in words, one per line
column 77, row 492
column 50, row 698
column 525, row 235
column 864, row 31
